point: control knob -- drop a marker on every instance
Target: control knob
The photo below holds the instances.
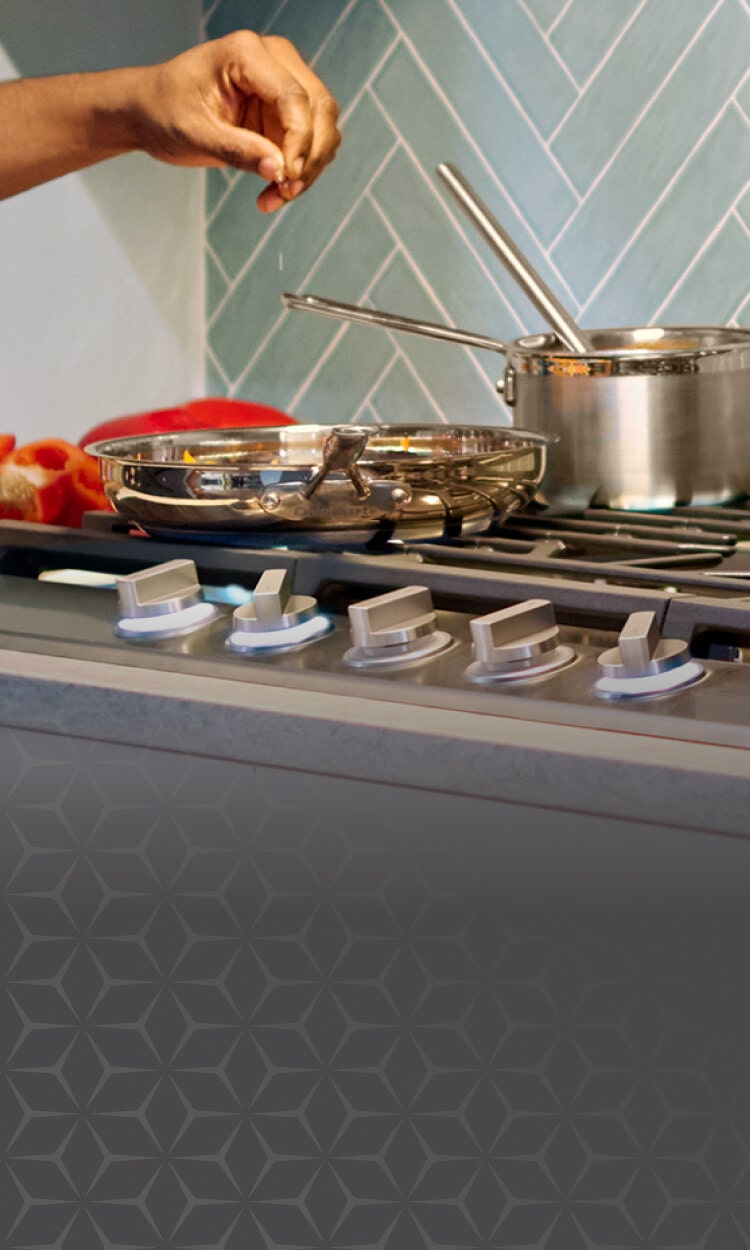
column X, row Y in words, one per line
column 517, row 643
column 644, row 663
column 395, row 628
column 165, row 601
column 275, row 619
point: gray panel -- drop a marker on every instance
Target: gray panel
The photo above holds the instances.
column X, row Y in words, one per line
column 247, row 1006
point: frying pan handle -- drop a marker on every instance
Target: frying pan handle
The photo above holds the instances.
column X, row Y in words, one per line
column 390, row 321
column 341, row 450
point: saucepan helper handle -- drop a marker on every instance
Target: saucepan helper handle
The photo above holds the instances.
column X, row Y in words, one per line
column 341, row 451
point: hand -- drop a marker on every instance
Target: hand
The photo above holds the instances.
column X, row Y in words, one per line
column 246, row 100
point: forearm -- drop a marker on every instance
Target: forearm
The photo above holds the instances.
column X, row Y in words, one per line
column 245, row 100
column 53, row 126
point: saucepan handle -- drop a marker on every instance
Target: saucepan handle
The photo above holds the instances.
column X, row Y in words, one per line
column 519, row 266
column 392, row 321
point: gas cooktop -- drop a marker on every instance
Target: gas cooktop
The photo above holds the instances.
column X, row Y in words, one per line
column 621, row 619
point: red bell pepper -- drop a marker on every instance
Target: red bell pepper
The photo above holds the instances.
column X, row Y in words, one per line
column 197, row 414
column 85, row 493
column 49, row 480
column 31, row 492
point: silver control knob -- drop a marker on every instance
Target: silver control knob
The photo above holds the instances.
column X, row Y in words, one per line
column 644, row 663
column 276, row 619
column 394, row 628
column 518, row 642
column 165, row 601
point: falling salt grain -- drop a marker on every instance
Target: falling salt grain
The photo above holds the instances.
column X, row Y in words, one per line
column 281, row 261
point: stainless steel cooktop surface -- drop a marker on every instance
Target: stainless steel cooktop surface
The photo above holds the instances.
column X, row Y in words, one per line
column 627, row 621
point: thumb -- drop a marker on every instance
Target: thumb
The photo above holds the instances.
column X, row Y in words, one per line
column 246, row 150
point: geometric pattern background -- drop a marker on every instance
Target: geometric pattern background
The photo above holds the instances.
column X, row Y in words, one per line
column 611, row 138
column 245, row 1007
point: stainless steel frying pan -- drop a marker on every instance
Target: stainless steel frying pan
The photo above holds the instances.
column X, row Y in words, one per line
column 353, row 482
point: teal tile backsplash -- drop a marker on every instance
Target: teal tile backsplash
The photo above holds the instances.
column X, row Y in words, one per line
column 611, row 138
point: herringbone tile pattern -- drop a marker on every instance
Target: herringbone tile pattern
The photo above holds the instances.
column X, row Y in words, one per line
column 612, row 138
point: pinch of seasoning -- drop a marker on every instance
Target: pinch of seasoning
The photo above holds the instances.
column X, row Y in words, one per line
column 188, row 458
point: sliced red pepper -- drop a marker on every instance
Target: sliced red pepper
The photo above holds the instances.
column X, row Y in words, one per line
column 31, row 492
column 50, row 480
column 197, row 414
column 50, row 453
column 85, row 493
column 7, row 443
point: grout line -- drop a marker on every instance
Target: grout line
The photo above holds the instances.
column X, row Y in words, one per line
column 480, row 154
column 276, row 13
column 426, row 286
column 458, row 227
column 515, row 101
column 646, row 108
column 274, row 224
column 340, row 332
column 598, row 68
column 410, row 260
column 231, row 184
column 378, row 382
column 551, row 47
column 654, row 207
column 343, row 15
column 412, row 368
column 737, row 89
column 375, row 415
column 343, row 223
column 217, row 365
column 740, row 218
column 559, row 17
column 745, row 304
column 206, row 17
column 688, row 270
column 209, row 250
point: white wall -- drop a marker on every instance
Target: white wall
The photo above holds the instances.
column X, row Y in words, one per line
column 100, row 272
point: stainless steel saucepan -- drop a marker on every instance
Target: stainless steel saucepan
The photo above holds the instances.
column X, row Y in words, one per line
column 652, row 417
column 353, row 482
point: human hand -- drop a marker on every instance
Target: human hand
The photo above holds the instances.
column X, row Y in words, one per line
column 246, row 100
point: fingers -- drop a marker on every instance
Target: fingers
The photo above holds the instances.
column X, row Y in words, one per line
column 244, row 100
column 324, row 133
column 256, row 71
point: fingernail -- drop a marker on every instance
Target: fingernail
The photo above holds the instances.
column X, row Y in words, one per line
column 270, row 169
column 298, row 165
column 292, row 187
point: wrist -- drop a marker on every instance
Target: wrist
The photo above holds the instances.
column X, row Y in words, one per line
column 114, row 111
